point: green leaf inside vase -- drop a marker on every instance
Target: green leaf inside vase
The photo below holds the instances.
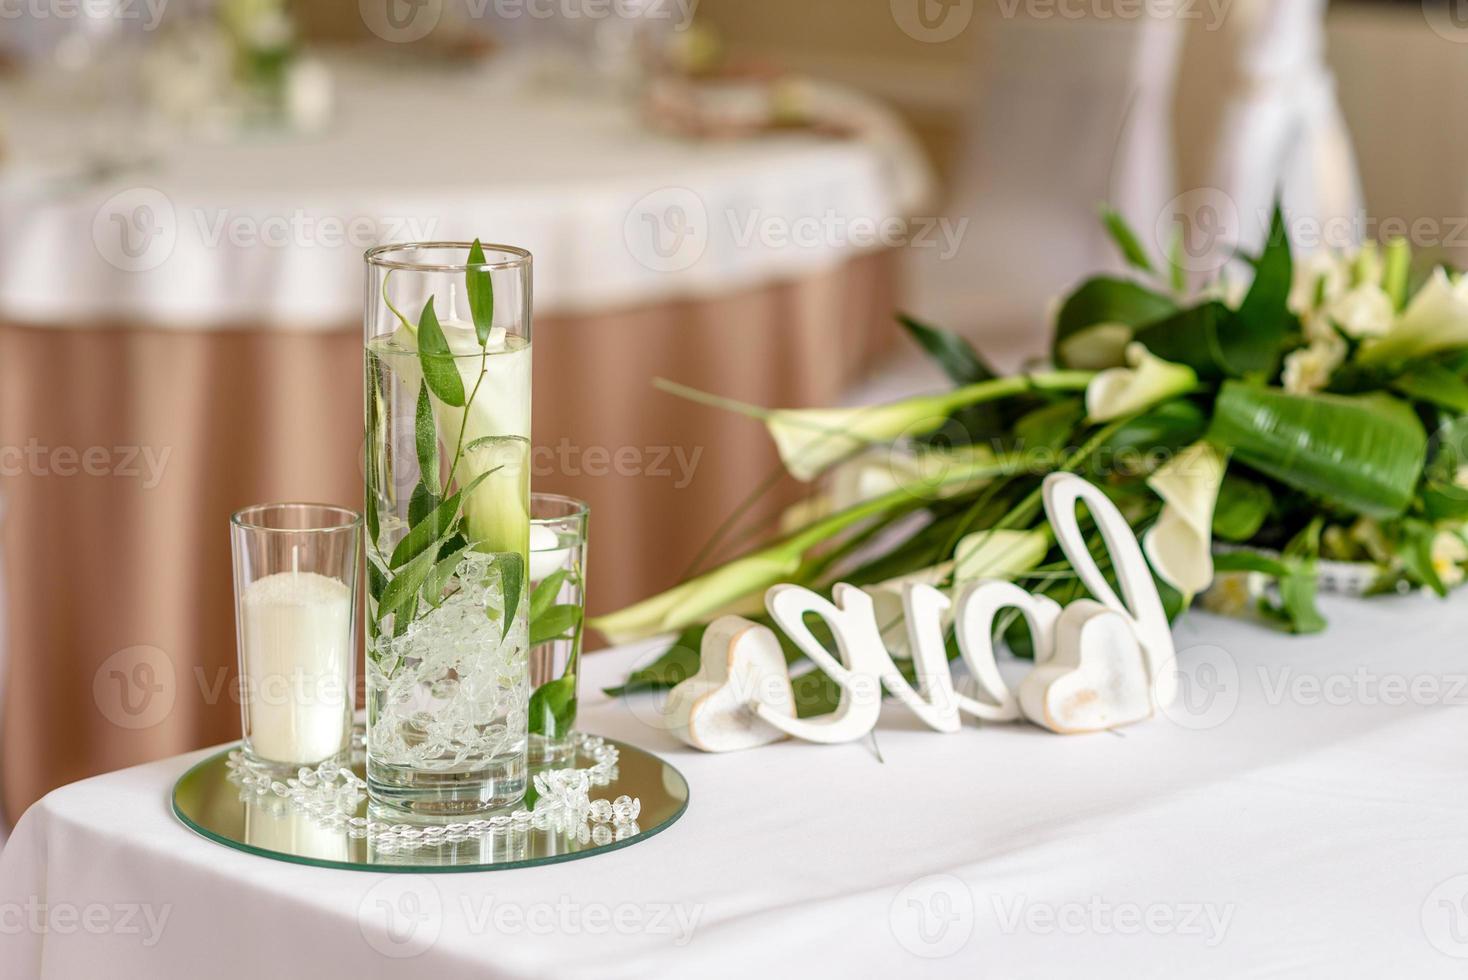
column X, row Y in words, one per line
column 426, row 441
column 555, row 623
column 480, row 285
column 510, row 566
column 553, row 707
column 439, row 370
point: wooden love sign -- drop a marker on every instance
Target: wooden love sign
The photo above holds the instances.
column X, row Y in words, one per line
column 1100, row 663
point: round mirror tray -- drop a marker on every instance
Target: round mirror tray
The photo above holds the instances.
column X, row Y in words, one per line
column 221, row 799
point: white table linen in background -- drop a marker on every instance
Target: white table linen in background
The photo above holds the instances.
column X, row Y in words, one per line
column 1303, row 822
column 415, row 155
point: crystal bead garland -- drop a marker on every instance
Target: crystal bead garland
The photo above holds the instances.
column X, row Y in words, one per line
column 330, row 795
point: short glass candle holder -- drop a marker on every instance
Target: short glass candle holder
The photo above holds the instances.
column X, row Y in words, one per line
column 295, row 581
column 557, row 613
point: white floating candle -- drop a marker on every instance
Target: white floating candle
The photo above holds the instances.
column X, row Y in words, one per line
column 546, row 558
column 297, row 637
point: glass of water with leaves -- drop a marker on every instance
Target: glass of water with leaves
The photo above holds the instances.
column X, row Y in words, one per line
column 448, row 526
column 557, row 612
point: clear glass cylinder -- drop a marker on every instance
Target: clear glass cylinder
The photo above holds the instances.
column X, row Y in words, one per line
column 295, row 579
column 557, row 616
column 448, row 525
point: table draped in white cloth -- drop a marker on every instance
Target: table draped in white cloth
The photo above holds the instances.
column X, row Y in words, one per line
column 180, row 337
column 1300, row 813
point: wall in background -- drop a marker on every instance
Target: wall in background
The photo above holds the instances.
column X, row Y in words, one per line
column 1396, row 79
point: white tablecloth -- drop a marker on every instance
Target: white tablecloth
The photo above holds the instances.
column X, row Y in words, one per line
column 1305, row 816
column 272, row 228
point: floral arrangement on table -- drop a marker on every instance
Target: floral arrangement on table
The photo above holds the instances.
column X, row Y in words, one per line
column 1277, row 418
column 241, row 62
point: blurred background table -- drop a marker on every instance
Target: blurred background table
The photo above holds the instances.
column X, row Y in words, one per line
column 184, row 318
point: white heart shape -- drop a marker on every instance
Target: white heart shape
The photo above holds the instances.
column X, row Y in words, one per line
column 1095, row 679
column 740, row 665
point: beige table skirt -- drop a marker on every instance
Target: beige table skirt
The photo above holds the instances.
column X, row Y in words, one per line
column 123, row 451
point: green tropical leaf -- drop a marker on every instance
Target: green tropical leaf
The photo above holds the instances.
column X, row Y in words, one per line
column 439, row 369
column 1297, row 590
column 554, row 623
column 553, row 707
column 438, row 578
column 1264, row 318
column 421, row 504
column 544, row 594
column 674, row 666
column 1432, row 382
column 511, row 568
column 429, row 529
column 480, row 285
column 402, row 590
column 1108, row 300
column 955, row 355
column 434, row 526
column 1125, row 239
column 1363, row 454
column 1178, row 272
column 1416, row 555
column 426, row 440
column 1241, row 508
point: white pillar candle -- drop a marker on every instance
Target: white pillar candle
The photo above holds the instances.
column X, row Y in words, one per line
column 297, row 637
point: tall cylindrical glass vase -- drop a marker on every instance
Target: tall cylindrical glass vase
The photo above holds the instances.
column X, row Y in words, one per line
column 448, row 492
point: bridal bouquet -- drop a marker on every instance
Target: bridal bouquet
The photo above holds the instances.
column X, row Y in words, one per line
column 1287, row 414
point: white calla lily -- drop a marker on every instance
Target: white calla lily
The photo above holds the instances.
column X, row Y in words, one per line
column 1310, row 368
column 995, row 554
column 490, row 434
column 1180, row 545
column 812, row 440
column 887, row 605
column 1436, row 319
column 1147, row 380
column 1318, row 280
column 998, row 554
column 1364, row 311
